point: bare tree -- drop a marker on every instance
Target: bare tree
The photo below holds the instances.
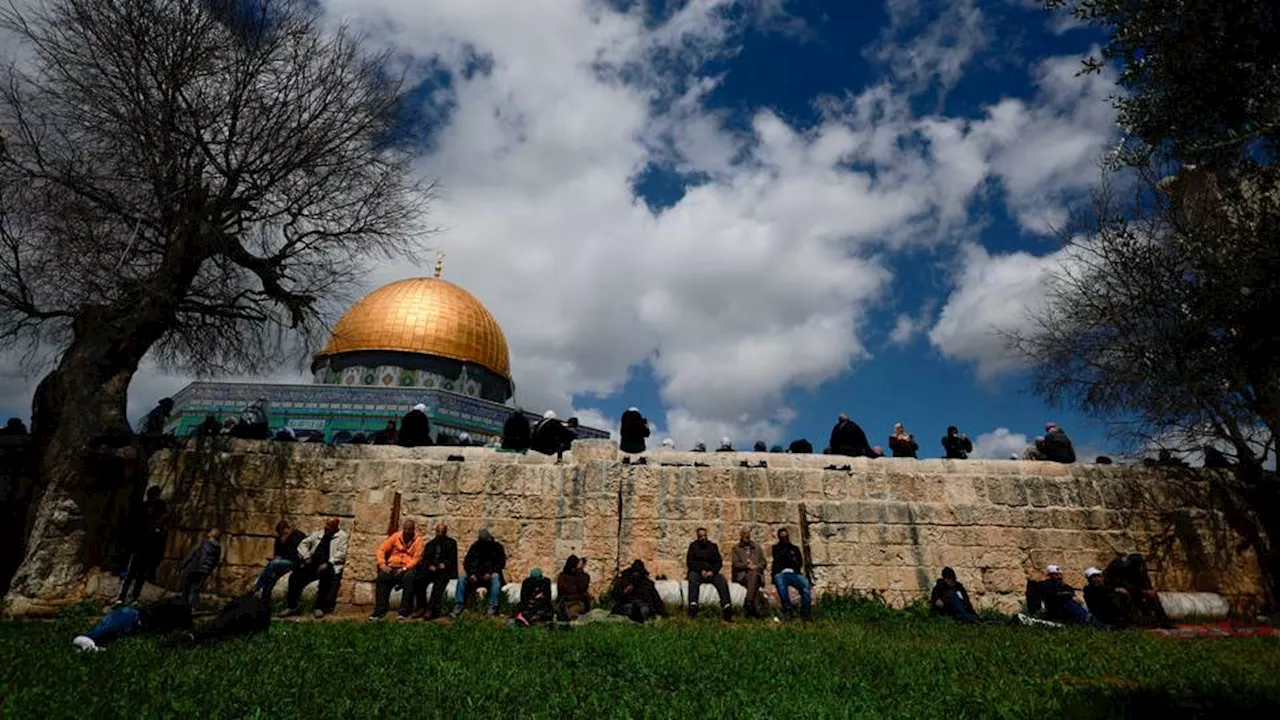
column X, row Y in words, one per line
column 187, row 178
column 1161, row 318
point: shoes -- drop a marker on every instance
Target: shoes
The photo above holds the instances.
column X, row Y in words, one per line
column 493, row 612
column 456, row 612
column 288, row 612
column 375, row 618
column 693, row 610
column 419, row 614
column 727, row 614
column 85, row 644
column 317, row 614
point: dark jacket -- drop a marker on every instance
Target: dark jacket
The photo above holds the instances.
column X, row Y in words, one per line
column 164, row 616
column 635, row 588
column 632, row 430
column 787, row 555
column 941, row 590
column 703, row 555
column 415, row 429
column 1057, row 447
column 535, row 598
column 288, row 547
column 956, row 447
column 901, row 447
column 551, row 437
column 204, row 559
column 516, row 433
column 573, row 587
column 801, row 447
column 485, row 557
column 246, row 615
column 441, row 551
column 847, row 438
column 1101, row 601
column 1056, row 594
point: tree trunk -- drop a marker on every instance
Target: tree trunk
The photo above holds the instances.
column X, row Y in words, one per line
column 80, row 407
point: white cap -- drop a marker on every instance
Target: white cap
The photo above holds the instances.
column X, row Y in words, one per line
column 1052, row 570
column 724, row 441
column 668, row 443
column 633, row 409
column 1091, row 572
column 549, row 415
column 465, row 437
column 420, row 408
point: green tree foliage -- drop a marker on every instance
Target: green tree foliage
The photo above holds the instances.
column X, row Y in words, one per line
column 1202, row 76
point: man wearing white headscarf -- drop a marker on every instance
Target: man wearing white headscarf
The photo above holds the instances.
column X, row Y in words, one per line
column 415, row 428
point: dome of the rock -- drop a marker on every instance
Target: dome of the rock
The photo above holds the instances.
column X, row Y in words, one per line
column 424, row 332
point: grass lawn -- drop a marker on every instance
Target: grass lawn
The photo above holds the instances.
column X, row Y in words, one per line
column 884, row 666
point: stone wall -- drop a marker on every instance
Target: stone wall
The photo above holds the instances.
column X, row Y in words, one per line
column 886, row 526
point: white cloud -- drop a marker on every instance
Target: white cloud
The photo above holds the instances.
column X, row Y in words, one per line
column 754, row 282
column 999, row 444
column 993, row 295
column 937, row 55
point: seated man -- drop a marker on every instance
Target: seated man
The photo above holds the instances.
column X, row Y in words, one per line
column 1059, row 598
column 168, row 615
column 322, row 556
column 950, row 598
column 1105, row 604
column 534, row 607
column 397, row 559
column 747, row 563
column 704, row 563
column 788, row 572
column 1128, row 576
column 635, row 596
column 482, row 567
column 438, row 566
column 284, row 558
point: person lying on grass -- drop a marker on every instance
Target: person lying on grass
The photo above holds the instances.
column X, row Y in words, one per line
column 246, row 615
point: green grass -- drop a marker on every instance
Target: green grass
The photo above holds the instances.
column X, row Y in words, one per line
column 860, row 661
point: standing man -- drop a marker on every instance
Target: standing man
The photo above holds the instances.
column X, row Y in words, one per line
column 788, row 572
column 323, row 555
column 704, row 563
column 439, row 564
column 199, row 565
column 397, row 559
column 956, row 445
column 483, row 566
column 148, row 547
column 748, row 564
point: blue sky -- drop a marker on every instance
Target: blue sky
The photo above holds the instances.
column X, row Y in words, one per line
column 746, row 217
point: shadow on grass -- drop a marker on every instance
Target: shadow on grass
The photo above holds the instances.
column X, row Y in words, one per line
column 1141, row 702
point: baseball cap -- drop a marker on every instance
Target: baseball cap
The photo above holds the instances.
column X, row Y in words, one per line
column 1091, row 572
column 1052, row 570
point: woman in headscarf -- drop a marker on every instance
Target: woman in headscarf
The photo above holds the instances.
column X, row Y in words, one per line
column 572, row 588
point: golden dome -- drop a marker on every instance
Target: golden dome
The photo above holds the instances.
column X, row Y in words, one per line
column 423, row 315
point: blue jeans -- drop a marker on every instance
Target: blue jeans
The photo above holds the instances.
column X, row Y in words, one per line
column 271, row 575
column 955, row 607
column 118, row 622
column 782, row 582
column 1072, row 613
column 495, row 588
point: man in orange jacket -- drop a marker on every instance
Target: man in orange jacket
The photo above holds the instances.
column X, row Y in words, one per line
column 397, row 559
